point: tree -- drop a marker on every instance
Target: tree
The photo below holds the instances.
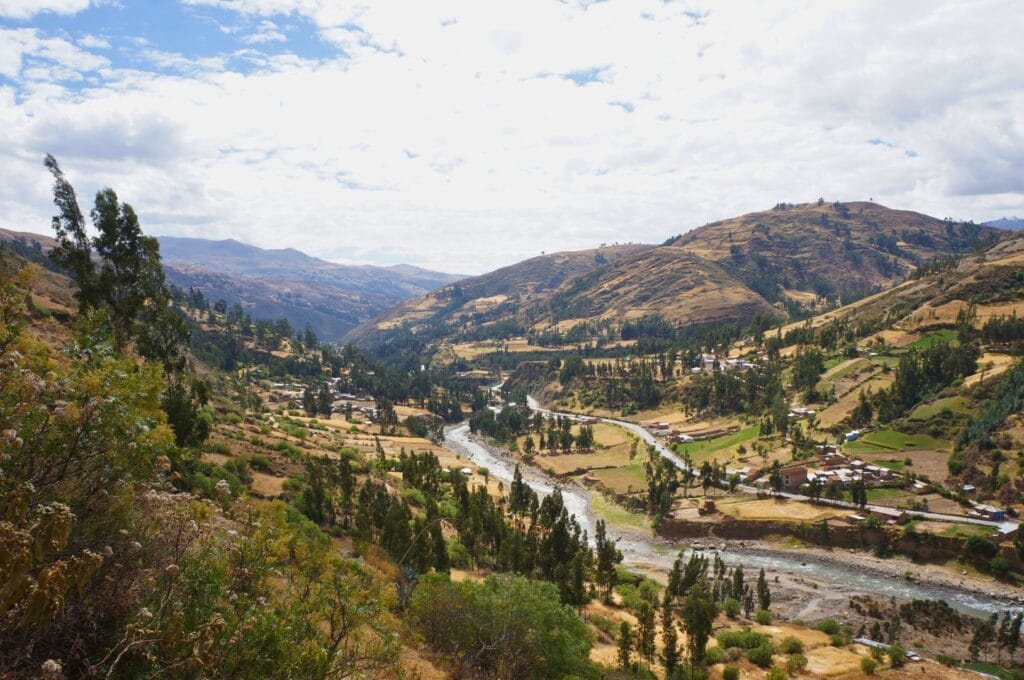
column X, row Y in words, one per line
column 129, row 282
column 669, row 639
column 309, row 402
column 625, row 646
column 73, row 251
column 607, row 557
column 698, row 612
column 128, row 261
column 863, row 412
column 764, row 595
column 324, row 400
column 645, row 631
column 185, row 403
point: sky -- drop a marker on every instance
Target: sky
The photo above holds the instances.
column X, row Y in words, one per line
column 466, row 135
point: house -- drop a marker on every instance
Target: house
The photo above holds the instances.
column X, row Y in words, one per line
column 852, row 435
column 991, row 512
column 793, row 477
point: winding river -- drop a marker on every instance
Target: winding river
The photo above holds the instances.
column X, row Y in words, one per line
column 640, row 552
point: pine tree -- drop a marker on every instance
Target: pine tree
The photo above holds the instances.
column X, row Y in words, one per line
column 309, row 404
column 764, row 595
column 625, row 646
column 645, row 631
column 323, row 400
column 607, row 557
column 698, row 612
column 669, row 640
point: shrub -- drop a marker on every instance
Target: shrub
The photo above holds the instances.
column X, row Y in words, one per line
column 761, row 655
column 868, row 665
column 259, row 462
column 777, row 673
column 714, row 655
column 522, row 621
column 763, row 617
column 897, row 655
column 796, row 663
column 605, row 625
column 946, row 660
column 239, row 467
column 219, row 447
column 743, row 638
column 791, row 645
column 415, row 497
column 829, row 626
column 731, row 607
column 731, row 673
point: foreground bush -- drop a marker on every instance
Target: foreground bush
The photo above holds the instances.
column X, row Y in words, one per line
column 507, row 626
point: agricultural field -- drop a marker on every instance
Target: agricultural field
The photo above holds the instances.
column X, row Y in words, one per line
column 929, row 410
column 706, row 449
column 892, row 440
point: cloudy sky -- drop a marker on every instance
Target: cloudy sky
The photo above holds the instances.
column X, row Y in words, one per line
column 462, row 136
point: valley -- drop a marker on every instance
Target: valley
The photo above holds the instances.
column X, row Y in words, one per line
column 624, row 437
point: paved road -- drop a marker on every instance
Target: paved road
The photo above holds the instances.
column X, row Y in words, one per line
column 1005, row 526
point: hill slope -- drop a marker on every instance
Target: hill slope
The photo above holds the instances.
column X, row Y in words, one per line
column 773, row 263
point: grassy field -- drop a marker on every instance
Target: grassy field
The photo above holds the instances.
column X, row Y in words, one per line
column 895, row 465
column 780, row 510
column 702, row 450
column 621, row 479
column 926, row 411
column 615, row 515
column 945, row 335
column 967, row 530
column 836, row 412
column 892, row 440
column 892, row 362
column 846, row 368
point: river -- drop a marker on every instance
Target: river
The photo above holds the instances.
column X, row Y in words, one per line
column 643, row 553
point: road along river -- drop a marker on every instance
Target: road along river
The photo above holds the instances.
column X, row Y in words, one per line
column 816, row 586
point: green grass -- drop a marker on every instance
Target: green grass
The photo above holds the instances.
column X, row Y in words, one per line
column 615, row 515
column 896, row 441
column 622, row 478
column 886, row 492
column 833, row 362
column 967, row 530
column 895, row 465
column 926, row 411
column 852, row 368
column 993, row 669
column 861, row 446
column 703, row 449
column 892, row 362
column 945, row 335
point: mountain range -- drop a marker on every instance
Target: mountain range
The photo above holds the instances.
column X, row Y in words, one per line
column 269, row 284
column 778, row 263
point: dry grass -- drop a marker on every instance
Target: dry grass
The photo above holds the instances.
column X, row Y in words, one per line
column 992, row 365
column 842, row 408
column 780, row 510
column 831, row 662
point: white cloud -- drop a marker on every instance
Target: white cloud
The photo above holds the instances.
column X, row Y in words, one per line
column 19, row 45
column 26, row 9
column 446, row 134
column 266, row 32
column 94, row 42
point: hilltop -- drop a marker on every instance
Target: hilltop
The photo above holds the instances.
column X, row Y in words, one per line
column 788, row 262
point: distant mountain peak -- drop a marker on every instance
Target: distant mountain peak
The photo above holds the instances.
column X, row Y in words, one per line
column 1008, row 223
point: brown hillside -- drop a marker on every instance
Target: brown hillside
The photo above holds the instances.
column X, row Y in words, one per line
column 832, row 249
column 771, row 263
